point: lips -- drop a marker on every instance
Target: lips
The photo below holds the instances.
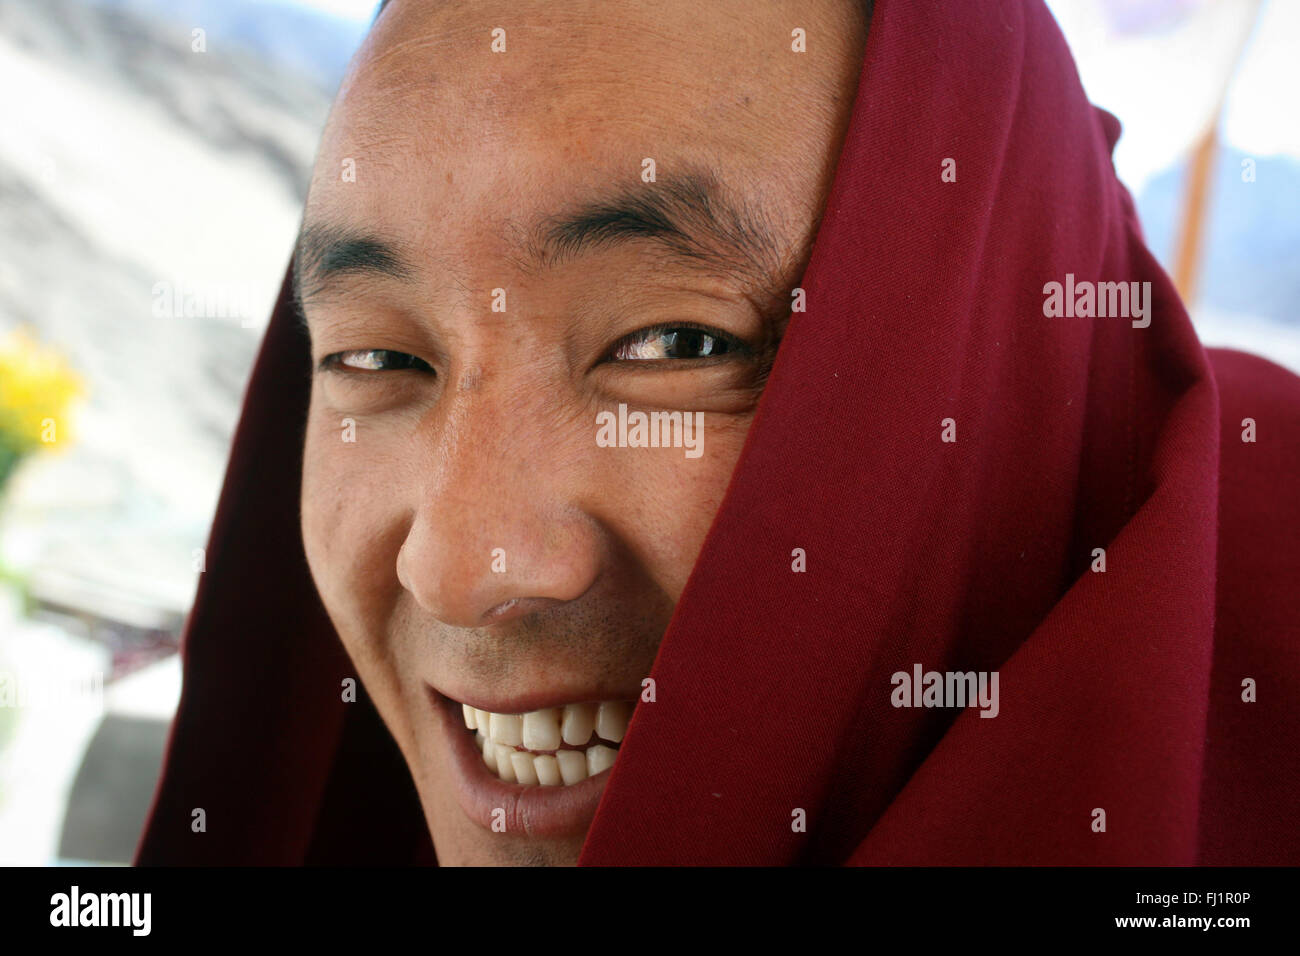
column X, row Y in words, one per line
column 512, row 775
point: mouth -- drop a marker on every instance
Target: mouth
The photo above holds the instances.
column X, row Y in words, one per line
column 539, row 772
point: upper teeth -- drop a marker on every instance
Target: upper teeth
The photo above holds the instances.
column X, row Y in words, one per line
column 501, row 735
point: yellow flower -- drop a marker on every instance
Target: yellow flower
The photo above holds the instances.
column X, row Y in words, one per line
column 37, row 389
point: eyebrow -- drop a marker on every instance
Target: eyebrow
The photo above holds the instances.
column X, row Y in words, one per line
column 326, row 251
column 689, row 216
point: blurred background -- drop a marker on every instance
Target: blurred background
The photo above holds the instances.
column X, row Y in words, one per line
column 154, row 157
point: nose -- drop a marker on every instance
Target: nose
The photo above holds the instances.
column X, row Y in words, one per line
column 498, row 530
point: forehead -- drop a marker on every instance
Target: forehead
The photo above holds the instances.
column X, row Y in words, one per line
column 609, row 67
column 583, row 92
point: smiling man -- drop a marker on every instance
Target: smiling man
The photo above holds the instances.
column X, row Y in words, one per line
column 604, row 211
column 471, row 599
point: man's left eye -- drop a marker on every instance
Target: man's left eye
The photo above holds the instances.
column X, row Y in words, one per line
column 676, row 342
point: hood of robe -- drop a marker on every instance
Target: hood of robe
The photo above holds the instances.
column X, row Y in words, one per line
column 939, row 454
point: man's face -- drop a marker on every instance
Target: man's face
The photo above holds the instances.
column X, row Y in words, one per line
column 485, row 269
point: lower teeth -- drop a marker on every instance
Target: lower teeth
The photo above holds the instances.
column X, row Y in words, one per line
column 561, row 768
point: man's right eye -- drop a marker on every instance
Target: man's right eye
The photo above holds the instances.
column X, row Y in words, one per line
column 374, row 360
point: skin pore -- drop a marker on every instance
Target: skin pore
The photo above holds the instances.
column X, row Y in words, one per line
column 473, row 543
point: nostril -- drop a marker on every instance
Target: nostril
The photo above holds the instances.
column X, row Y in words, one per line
column 503, row 608
column 516, row 607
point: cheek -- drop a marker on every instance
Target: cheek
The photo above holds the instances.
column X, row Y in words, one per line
column 351, row 528
column 675, row 499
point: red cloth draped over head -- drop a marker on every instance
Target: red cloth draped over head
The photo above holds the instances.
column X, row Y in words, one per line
column 1119, row 690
